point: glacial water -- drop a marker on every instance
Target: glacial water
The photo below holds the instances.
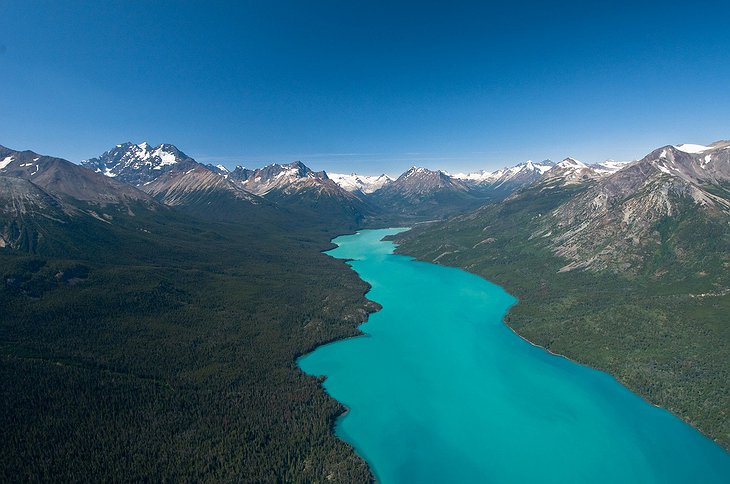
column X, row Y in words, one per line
column 440, row 390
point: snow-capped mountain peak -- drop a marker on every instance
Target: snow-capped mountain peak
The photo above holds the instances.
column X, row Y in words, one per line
column 568, row 172
column 138, row 164
column 571, row 163
column 416, row 170
column 696, row 164
column 503, row 174
column 363, row 183
column 219, row 169
column 475, row 176
column 501, row 182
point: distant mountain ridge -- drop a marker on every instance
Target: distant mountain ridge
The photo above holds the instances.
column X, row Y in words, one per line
column 286, row 178
column 360, row 183
column 418, row 192
column 174, row 178
column 506, row 173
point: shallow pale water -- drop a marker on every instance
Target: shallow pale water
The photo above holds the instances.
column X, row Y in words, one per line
column 440, row 390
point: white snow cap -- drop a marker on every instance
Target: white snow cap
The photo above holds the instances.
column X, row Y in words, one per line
column 692, row 149
column 572, row 162
column 488, row 176
column 364, row 183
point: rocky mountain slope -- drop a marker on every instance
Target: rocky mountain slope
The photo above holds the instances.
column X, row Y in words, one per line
column 45, row 201
column 424, row 193
column 63, row 178
column 296, row 187
column 621, row 221
column 178, row 187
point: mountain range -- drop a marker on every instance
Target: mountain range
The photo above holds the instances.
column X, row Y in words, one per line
column 174, row 296
column 419, row 193
column 628, row 196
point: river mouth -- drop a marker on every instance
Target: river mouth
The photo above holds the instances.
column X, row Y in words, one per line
column 441, row 390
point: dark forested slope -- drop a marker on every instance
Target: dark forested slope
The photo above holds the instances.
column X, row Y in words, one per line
column 139, row 343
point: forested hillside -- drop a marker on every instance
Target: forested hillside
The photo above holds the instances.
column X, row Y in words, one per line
column 148, row 344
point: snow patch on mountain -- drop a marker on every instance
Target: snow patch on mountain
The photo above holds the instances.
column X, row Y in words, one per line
column 476, row 176
column 505, row 174
column 5, row 162
column 609, row 166
column 502, row 182
column 166, row 158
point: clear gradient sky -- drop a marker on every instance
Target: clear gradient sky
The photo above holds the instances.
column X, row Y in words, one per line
column 365, row 86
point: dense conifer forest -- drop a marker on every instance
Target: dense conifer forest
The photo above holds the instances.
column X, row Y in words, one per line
column 170, row 355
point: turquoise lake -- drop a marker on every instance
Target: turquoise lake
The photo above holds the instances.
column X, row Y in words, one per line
column 439, row 389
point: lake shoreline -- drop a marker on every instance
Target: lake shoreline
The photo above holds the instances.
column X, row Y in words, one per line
column 560, row 355
column 385, row 387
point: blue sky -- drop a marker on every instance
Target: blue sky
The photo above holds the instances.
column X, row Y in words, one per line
column 365, row 86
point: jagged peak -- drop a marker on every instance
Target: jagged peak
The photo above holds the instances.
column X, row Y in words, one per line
column 419, row 170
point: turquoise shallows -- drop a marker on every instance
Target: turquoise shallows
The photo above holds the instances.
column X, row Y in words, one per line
column 441, row 390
